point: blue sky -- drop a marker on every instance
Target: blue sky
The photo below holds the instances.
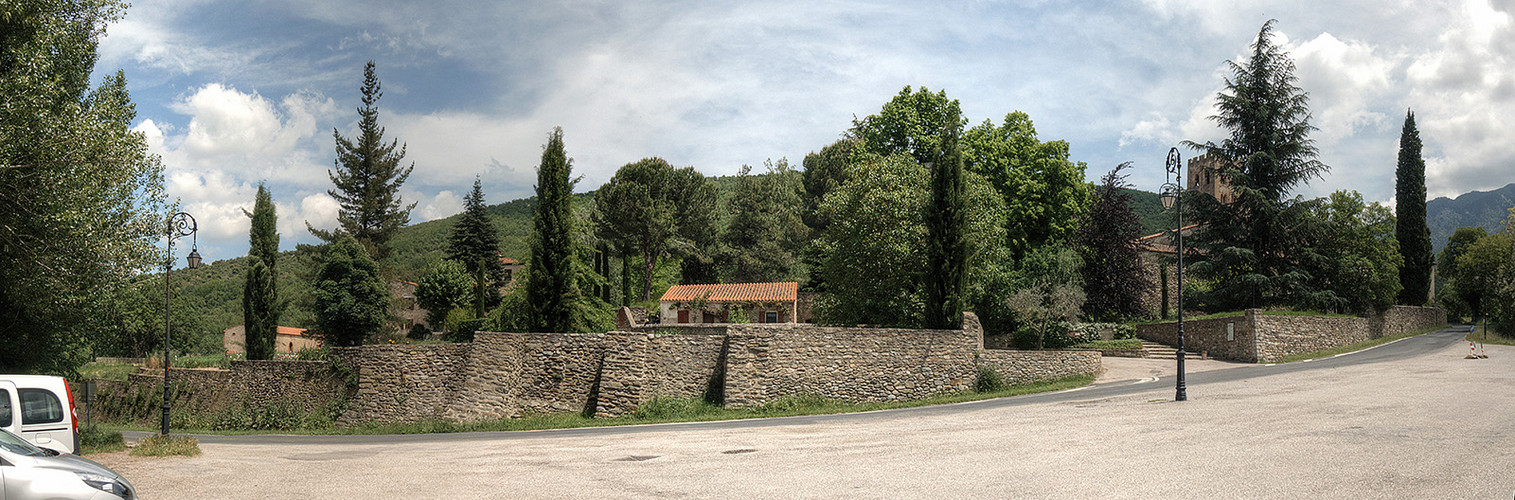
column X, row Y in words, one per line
column 233, row 93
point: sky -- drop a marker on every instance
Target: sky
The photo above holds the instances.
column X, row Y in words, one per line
column 231, row 94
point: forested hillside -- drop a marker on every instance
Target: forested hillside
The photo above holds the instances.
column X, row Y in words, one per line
column 1486, row 209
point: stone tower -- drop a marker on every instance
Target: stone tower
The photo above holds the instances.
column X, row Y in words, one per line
column 1203, row 178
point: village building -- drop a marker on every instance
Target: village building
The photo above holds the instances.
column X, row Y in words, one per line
column 288, row 340
column 757, row 302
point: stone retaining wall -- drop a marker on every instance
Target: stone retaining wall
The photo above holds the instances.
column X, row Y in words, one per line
column 1023, row 367
column 401, row 383
column 1257, row 337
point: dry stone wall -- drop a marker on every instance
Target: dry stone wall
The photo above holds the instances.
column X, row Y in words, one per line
column 1258, row 337
column 402, row 383
column 1023, row 367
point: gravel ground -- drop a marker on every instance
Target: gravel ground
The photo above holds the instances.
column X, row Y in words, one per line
column 1433, row 426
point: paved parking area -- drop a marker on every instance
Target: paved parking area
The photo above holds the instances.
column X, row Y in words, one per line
column 1433, row 426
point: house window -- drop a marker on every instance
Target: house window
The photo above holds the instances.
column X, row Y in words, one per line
column 771, row 317
column 707, row 317
column 683, row 316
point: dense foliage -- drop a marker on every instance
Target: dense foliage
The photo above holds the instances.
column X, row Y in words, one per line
column 1114, row 279
column 1044, row 192
column 552, row 286
column 1049, row 291
column 261, row 307
column 946, row 245
column 1351, row 256
column 765, row 233
column 81, row 199
column 1251, row 245
column 368, row 177
column 1410, row 217
column 351, row 301
column 661, row 212
column 476, row 244
column 447, row 285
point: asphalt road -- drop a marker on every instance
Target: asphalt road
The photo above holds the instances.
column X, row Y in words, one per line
column 1407, row 419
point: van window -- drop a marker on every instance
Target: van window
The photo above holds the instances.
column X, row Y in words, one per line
column 40, row 406
column 5, row 408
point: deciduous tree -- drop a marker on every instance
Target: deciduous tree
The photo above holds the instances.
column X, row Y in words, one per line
column 351, row 301
column 81, row 198
column 765, row 231
column 1114, row 278
column 1410, row 217
column 1350, row 256
column 446, row 286
column 368, row 177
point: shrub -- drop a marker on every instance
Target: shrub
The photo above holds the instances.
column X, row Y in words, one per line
column 465, row 329
column 93, row 439
column 989, row 380
column 165, row 446
column 312, row 354
column 418, row 332
column 661, row 408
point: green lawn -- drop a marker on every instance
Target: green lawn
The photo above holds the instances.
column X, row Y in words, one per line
column 1358, row 346
column 107, row 371
column 659, row 411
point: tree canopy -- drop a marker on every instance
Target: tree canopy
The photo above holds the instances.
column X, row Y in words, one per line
column 476, row 244
column 351, row 300
column 1351, row 256
column 1114, row 278
column 661, row 211
column 368, row 177
column 1250, row 244
column 765, row 231
column 552, row 286
column 261, row 307
column 81, row 199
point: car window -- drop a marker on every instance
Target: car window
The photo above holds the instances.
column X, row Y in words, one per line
column 5, row 408
column 39, row 406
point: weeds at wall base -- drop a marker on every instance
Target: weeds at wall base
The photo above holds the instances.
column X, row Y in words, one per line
column 167, row 446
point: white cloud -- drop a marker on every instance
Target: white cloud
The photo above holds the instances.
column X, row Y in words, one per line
column 443, row 205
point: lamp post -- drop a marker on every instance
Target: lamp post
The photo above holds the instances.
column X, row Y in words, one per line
column 179, row 225
column 1172, row 194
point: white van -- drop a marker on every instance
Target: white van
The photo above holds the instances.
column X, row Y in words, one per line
column 40, row 409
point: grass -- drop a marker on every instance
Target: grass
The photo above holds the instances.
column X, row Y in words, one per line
column 206, row 361
column 1490, row 336
column 1111, row 344
column 1357, row 346
column 159, row 445
column 107, row 371
column 668, row 410
column 94, row 439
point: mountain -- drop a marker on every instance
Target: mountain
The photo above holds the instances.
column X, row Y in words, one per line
column 1477, row 208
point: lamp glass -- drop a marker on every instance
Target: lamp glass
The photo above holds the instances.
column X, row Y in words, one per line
column 194, row 258
column 1168, row 197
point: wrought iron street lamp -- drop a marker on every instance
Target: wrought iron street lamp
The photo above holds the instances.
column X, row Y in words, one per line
column 179, row 225
column 1172, row 194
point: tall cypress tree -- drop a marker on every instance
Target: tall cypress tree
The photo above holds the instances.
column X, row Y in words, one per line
column 260, row 295
column 368, row 178
column 946, row 244
column 476, row 244
column 1410, row 217
column 552, row 288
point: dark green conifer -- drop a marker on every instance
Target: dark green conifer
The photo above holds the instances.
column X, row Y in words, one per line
column 260, row 295
column 1410, row 217
column 552, row 288
column 946, row 244
column 476, row 244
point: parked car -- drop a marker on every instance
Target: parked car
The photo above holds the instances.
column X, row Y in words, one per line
column 33, row 407
column 31, row 473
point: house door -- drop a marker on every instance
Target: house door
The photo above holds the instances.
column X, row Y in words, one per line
column 683, row 316
column 707, row 317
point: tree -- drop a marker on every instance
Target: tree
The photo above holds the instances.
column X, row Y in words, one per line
column 1114, row 278
column 765, row 230
column 1044, row 192
column 476, row 244
column 1479, row 279
column 368, row 178
column 351, row 301
column 914, row 123
column 825, row 171
column 1051, row 290
column 81, row 198
column 946, row 245
column 1410, row 221
column 660, row 211
column 1351, row 256
column 1457, row 301
column 446, row 286
column 552, row 287
column 1251, row 247
column 260, row 295
column 873, row 247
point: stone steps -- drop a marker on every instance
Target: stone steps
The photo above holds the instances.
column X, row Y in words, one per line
column 1164, row 351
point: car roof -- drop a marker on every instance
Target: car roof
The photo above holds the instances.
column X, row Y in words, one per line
column 32, row 379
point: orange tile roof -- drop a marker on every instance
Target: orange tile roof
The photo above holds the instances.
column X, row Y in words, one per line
column 508, row 261
column 735, row 292
column 290, row 330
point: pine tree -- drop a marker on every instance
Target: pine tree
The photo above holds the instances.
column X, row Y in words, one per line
column 1410, row 217
column 476, row 244
column 946, row 245
column 1252, row 243
column 260, row 295
column 368, row 178
column 552, row 288
column 351, row 301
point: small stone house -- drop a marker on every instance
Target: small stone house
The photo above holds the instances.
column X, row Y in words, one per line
column 760, row 302
column 287, row 339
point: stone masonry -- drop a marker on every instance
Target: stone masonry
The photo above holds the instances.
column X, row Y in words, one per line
column 1254, row 336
